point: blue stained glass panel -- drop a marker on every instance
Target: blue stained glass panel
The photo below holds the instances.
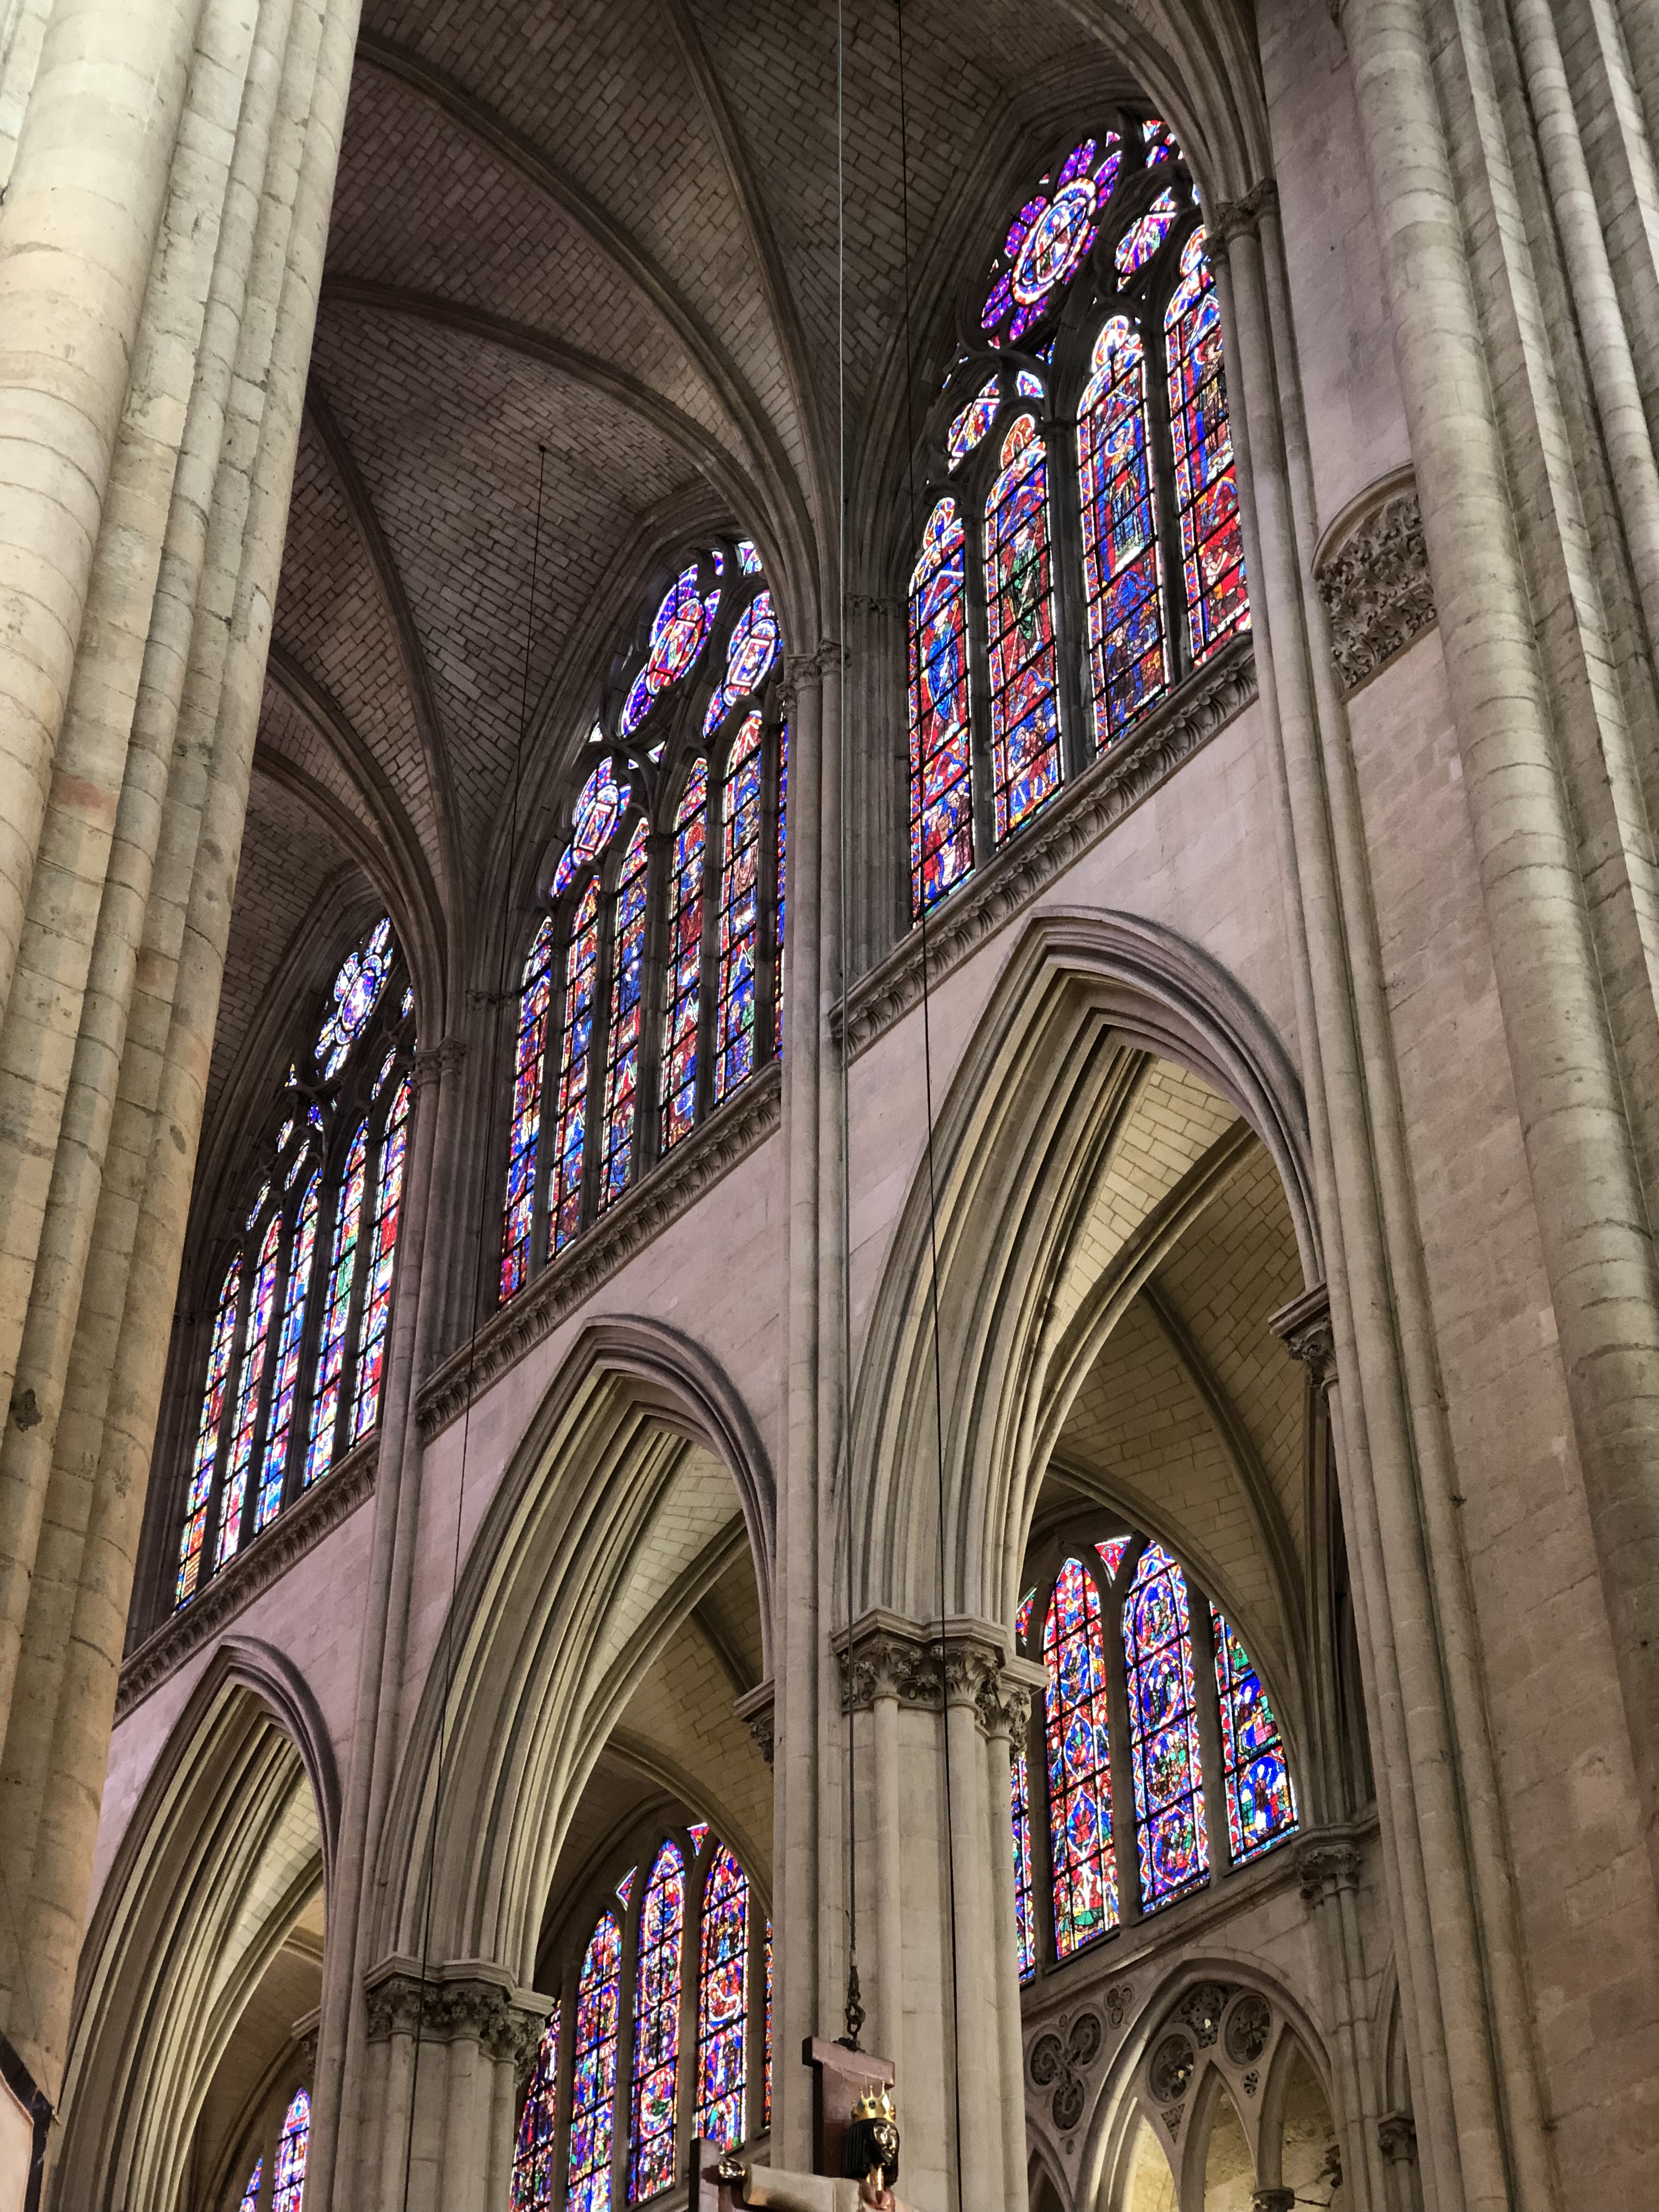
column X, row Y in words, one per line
column 329, row 1374
column 570, row 1129
column 1163, row 1731
column 1122, row 567
column 740, row 912
column 1207, row 489
column 680, row 1048
column 200, row 1490
column 1261, row 1799
column 529, row 1051
column 1020, row 617
column 941, row 773
column 593, row 2079
column 1025, row 1913
column 657, row 2027
column 1077, row 1729
column 382, row 1260
column 678, row 629
column 971, row 425
column 533, row 2178
column 622, row 1051
column 356, row 988
column 1143, row 237
column 292, row 2145
column 279, row 1425
column 597, row 810
column 256, row 1343
column 723, row 2003
column 251, row 2194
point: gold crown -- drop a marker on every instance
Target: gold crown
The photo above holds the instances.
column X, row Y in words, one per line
column 874, row 2106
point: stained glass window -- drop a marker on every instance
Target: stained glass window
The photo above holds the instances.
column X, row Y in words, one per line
column 593, row 2082
column 570, row 1130
column 723, row 2003
column 740, row 912
column 533, row 2178
column 337, row 1310
column 677, row 631
column 1207, row 490
column 698, row 1832
column 1020, row 619
column 622, row 1069
column 657, row 2027
column 749, row 658
column 382, row 1259
column 783, row 861
column 1142, row 240
column 356, row 988
column 279, row 1425
column 975, row 420
column 292, row 2145
column 941, row 776
column 529, row 1052
column 251, row 2194
column 1049, row 237
column 1260, row 1801
column 1082, row 1849
column 1022, row 1618
column 748, row 559
column 1163, row 1731
column 1025, row 1915
column 679, row 1047
column 597, row 810
column 256, row 1339
column 1122, row 578
column 206, row 1454
column 1111, row 1552
column 765, row 2112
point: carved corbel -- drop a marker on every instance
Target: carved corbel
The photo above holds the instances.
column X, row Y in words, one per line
column 1304, row 1329
column 757, row 1709
column 1326, row 1864
column 1372, row 569
column 1242, row 218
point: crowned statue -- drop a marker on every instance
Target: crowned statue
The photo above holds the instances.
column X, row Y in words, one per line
column 869, row 2169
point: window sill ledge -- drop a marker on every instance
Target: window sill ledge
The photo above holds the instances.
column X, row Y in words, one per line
column 299, row 1527
column 729, row 1134
column 1108, row 788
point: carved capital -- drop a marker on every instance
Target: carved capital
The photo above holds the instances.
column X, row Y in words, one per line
column 1372, row 569
column 1396, row 2136
column 755, row 1708
column 1273, row 2200
column 1326, row 1864
column 908, row 1661
column 1304, row 1329
column 1242, row 218
column 457, row 2004
column 803, row 668
column 442, row 1060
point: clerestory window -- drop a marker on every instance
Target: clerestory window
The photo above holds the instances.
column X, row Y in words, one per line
column 670, row 2037
column 652, row 986
column 1081, row 551
column 296, row 1354
column 1155, row 1763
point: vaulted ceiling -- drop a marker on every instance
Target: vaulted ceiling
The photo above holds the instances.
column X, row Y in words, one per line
column 608, row 228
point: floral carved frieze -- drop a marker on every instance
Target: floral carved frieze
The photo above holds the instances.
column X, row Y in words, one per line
column 914, row 1664
column 446, row 2005
column 1372, row 573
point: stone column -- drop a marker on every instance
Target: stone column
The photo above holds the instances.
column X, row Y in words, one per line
column 1330, row 1865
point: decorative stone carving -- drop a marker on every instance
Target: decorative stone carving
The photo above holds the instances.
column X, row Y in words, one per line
column 1326, row 1864
column 1396, row 2136
column 1202, row 2008
column 442, row 1060
column 1304, row 1327
column 1119, row 1998
column 1085, row 811
column 332, row 1498
column 757, row 1709
column 893, row 1657
column 1065, row 2063
column 1171, row 2117
column 1242, row 218
column 1372, row 574
column 1248, row 2026
column 641, row 1214
column 798, row 667
column 445, row 2006
column 1171, row 2069
column 1273, row 2200
column 1251, row 2082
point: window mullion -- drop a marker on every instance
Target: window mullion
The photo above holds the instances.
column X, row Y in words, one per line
column 215, row 1514
column 305, row 1388
column 599, row 1055
column 653, row 994
column 345, row 1412
column 1165, row 507
column 279, row 1306
column 1126, row 1836
column 1214, row 1793
column 547, row 1114
column 767, row 950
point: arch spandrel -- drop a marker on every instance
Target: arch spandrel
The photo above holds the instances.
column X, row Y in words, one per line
column 1046, row 1090
column 639, row 1483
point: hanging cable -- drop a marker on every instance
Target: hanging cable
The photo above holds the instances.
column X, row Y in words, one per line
column 498, row 1002
column 932, row 1193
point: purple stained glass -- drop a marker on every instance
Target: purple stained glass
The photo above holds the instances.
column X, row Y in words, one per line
column 1111, row 1552
column 1143, row 237
column 207, row 1432
column 657, row 2027
column 1025, row 1914
column 251, row 2194
column 1163, row 1747
column 698, row 1832
column 289, row 2174
column 336, row 1309
column 749, row 559
column 279, row 1423
column 594, row 2078
column 941, row 773
column 1122, row 567
column 622, row 1067
column 1082, row 1851
column 1159, row 141
column 529, row 1053
column 1261, row 1800
column 1022, row 1618
column 1020, row 619
column 679, row 1046
column 256, row 1343
column 597, row 810
column 1048, row 240
column 625, row 1886
column 1206, row 490
column 356, row 988
column 740, row 912
column 766, row 2075
column 533, row 2178
column 677, row 631
column 782, row 870
column 975, row 420
column 382, row 1260
column 570, row 1128
column 749, row 658
column 254, row 1211
column 1028, row 383
column 723, row 2004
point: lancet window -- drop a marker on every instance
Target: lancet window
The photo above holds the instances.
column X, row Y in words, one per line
column 672, row 2004
column 293, row 1368
column 1161, row 1763
column 1080, row 550
column 652, row 988
column 292, row 2145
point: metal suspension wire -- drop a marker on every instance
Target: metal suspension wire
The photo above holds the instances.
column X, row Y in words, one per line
column 499, row 1000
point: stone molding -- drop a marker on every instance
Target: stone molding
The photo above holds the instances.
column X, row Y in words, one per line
column 1326, row 1864
column 888, row 1655
column 1372, row 570
column 1107, row 789
column 800, row 667
column 440, row 1061
column 1396, row 2136
column 660, row 1197
column 1242, row 218
column 755, row 1708
column 1304, row 1329
column 316, row 1513
column 474, row 2003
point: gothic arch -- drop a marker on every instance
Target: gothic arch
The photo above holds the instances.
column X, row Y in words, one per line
column 639, row 1482
column 1087, row 1004
column 233, row 1836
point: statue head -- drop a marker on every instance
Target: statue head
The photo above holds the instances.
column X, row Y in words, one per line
column 871, row 2140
